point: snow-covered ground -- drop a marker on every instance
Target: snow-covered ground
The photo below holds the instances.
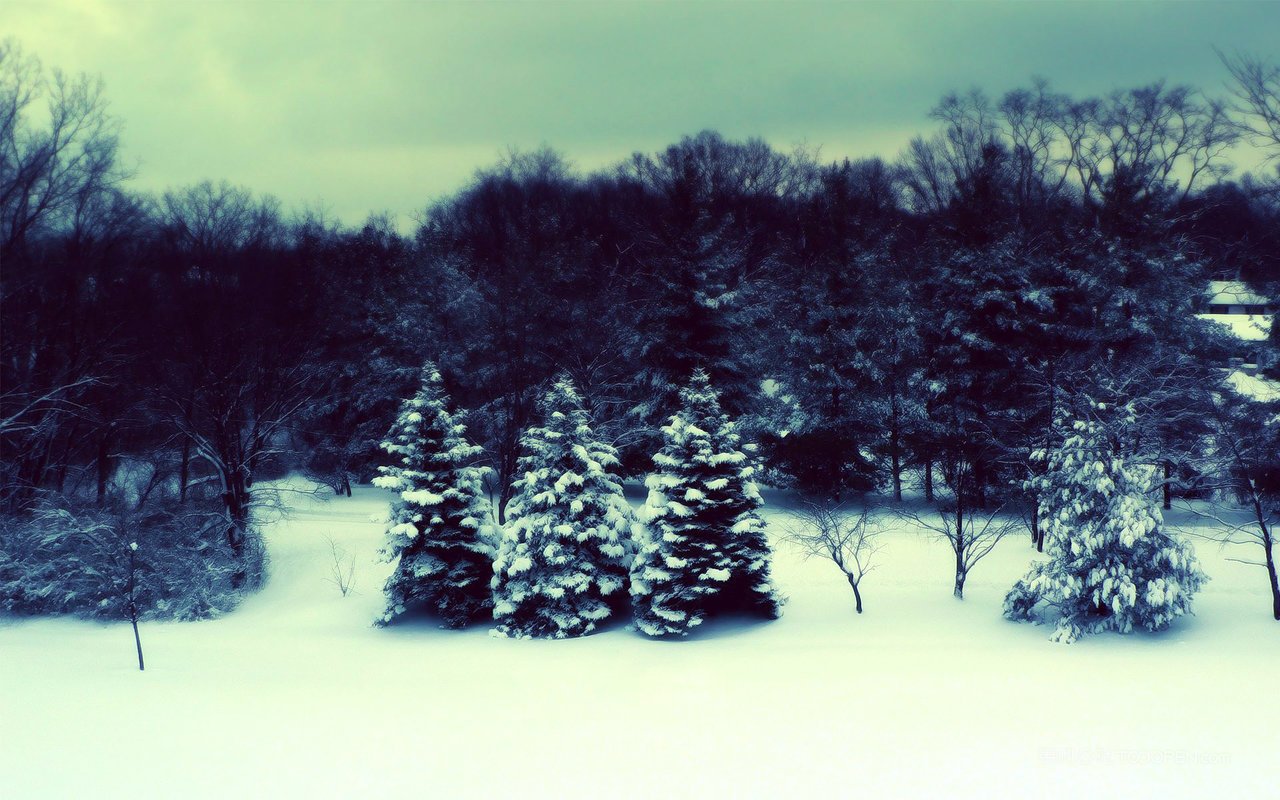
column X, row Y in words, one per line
column 1249, row 327
column 296, row 695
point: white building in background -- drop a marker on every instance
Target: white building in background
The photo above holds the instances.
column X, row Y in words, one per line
column 1249, row 316
column 1236, row 298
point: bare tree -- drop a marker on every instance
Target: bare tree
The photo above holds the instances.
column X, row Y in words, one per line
column 1255, row 90
column 47, row 173
column 849, row 538
column 1130, row 145
column 927, row 183
column 1022, row 123
column 1246, row 462
column 971, row 533
column 1255, row 110
column 235, row 419
column 216, row 222
column 24, row 413
column 31, row 419
column 239, row 365
column 343, row 568
column 62, row 214
column 1029, row 117
column 1145, row 143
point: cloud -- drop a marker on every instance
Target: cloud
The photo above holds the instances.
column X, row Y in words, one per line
column 384, row 105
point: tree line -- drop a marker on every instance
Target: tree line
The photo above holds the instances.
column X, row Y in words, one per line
column 869, row 322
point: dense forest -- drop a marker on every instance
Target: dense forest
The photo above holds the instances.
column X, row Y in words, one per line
column 873, row 325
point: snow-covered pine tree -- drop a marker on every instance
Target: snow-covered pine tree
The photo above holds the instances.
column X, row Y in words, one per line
column 706, row 551
column 562, row 565
column 438, row 530
column 1111, row 564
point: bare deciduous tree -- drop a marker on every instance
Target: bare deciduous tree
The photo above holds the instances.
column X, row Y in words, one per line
column 1246, row 461
column 239, row 371
column 213, row 223
column 343, row 568
column 48, row 172
column 849, row 538
column 971, row 533
column 235, row 419
column 1129, row 145
column 1146, row 140
column 1255, row 109
column 1255, row 89
column 25, row 414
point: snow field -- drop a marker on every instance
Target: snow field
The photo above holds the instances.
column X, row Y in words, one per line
column 297, row 695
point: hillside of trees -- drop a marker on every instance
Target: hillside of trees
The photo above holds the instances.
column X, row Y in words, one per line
column 873, row 324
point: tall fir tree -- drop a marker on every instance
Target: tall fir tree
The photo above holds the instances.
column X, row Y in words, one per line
column 561, row 568
column 438, row 530
column 706, row 552
column 1111, row 564
column 839, row 312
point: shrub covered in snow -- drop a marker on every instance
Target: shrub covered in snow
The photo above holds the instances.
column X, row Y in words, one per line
column 705, row 551
column 561, row 569
column 67, row 558
column 1111, row 564
column 438, row 531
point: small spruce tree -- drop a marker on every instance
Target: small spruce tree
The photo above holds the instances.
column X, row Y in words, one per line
column 438, row 529
column 562, row 565
column 1111, row 564
column 706, row 552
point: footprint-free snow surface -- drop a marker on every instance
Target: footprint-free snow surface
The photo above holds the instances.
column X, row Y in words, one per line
column 296, row 695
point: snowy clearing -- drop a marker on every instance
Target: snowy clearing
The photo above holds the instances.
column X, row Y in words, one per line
column 297, row 695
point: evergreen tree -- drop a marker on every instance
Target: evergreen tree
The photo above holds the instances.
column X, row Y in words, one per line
column 1111, row 565
column 437, row 528
column 987, row 308
column 706, row 248
column 561, row 568
column 824, row 363
column 706, row 551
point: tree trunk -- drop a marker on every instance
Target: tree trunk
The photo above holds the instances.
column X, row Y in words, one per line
column 504, row 496
column 1168, row 497
column 61, row 482
column 895, row 452
column 259, row 443
column 64, row 463
column 1268, row 543
column 133, row 605
column 104, row 465
column 40, row 464
column 1048, row 437
column 960, row 545
column 236, row 499
column 1275, row 586
column 857, row 596
column 137, row 640
column 928, row 481
column 979, row 483
column 184, row 469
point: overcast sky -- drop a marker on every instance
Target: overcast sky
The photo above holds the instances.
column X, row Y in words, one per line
column 371, row 106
